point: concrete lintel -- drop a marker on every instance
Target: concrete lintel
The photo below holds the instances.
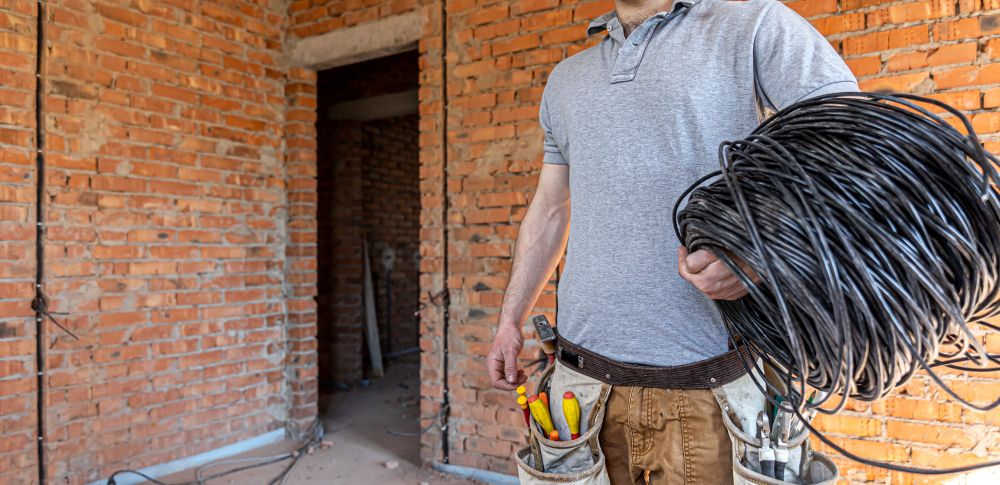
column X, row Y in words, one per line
column 370, row 40
column 375, row 107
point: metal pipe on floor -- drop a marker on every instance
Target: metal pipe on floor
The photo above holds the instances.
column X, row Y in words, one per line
column 488, row 477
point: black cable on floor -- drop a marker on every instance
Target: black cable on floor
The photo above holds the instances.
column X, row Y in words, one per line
column 875, row 227
column 314, row 437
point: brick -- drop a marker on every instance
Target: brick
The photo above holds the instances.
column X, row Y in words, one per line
column 993, row 48
column 502, row 199
column 906, row 61
column 838, row 24
column 516, row 44
column 991, row 99
column 865, row 66
column 886, row 40
column 487, row 15
column 967, row 76
column 588, row 11
column 528, row 6
column 963, row 53
column 898, row 83
column 813, row 8
column 848, row 425
column 929, row 433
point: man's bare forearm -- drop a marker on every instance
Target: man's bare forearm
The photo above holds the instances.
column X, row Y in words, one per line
column 540, row 244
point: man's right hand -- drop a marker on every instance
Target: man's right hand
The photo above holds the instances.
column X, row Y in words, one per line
column 501, row 362
column 541, row 241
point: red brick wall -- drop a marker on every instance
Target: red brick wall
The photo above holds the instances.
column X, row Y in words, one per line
column 17, row 235
column 340, row 219
column 301, row 371
column 392, row 222
column 167, row 230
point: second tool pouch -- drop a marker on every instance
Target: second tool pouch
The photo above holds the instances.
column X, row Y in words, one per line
column 741, row 403
column 568, row 461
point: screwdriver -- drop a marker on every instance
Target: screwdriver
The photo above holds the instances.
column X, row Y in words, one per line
column 571, row 410
column 545, row 398
column 541, row 414
column 523, row 402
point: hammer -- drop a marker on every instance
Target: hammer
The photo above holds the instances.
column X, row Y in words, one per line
column 546, row 335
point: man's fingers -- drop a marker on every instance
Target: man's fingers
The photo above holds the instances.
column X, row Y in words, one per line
column 682, row 269
column 731, row 289
column 521, row 378
column 495, row 367
column 699, row 260
column 510, row 366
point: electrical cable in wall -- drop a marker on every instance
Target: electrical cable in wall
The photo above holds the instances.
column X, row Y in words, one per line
column 874, row 226
column 40, row 303
column 445, row 400
column 39, row 300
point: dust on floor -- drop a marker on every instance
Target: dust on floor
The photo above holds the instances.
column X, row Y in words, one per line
column 363, row 451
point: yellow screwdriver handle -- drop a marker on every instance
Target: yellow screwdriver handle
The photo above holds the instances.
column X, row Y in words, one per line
column 571, row 410
column 541, row 414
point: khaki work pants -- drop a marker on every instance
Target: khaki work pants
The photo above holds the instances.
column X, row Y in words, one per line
column 665, row 436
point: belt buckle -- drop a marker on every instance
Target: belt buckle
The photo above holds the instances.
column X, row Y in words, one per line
column 571, row 358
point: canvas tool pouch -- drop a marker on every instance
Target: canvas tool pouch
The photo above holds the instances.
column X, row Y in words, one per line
column 579, row 461
column 740, row 401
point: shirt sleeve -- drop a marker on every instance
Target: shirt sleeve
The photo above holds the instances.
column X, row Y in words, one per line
column 793, row 61
column 552, row 152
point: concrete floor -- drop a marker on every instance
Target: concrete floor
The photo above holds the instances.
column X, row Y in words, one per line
column 356, row 422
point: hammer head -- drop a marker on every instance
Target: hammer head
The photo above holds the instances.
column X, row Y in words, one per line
column 544, row 330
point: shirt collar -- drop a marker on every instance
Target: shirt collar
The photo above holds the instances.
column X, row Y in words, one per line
column 609, row 21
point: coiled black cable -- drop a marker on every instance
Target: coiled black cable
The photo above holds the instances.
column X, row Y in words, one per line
column 875, row 228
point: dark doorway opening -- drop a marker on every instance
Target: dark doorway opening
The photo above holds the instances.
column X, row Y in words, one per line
column 369, row 205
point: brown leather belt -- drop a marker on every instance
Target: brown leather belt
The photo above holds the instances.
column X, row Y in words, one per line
column 704, row 374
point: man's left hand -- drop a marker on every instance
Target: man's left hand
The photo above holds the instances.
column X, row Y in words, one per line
column 710, row 275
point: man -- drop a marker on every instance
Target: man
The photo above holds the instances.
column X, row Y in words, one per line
column 629, row 124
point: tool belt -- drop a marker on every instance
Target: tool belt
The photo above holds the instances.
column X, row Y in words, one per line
column 704, row 374
column 580, row 461
column 577, row 461
column 741, row 403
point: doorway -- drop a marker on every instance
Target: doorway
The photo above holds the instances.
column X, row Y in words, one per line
column 369, row 204
column 368, row 216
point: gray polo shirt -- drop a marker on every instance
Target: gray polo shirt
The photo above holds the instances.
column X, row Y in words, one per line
column 637, row 120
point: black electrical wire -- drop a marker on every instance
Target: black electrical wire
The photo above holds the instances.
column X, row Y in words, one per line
column 314, row 435
column 445, row 234
column 874, row 226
